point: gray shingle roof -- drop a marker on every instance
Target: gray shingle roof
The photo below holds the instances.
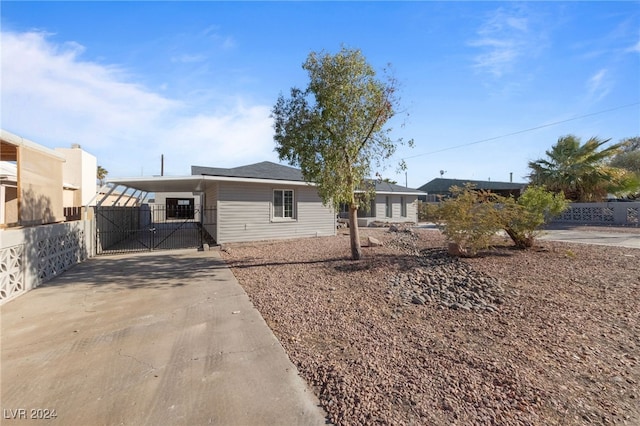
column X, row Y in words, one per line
column 273, row 171
column 441, row 185
column 263, row 170
column 382, row 187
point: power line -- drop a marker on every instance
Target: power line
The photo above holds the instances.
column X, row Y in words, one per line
column 542, row 126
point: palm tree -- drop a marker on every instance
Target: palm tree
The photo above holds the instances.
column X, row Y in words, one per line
column 629, row 159
column 101, row 174
column 582, row 172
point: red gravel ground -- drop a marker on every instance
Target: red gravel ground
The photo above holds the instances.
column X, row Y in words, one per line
column 563, row 347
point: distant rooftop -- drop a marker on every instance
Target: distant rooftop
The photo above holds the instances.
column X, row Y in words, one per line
column 442, row 185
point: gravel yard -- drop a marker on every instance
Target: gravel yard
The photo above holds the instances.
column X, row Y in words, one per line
column 409, row 335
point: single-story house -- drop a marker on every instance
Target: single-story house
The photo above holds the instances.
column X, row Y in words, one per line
column 265, row 201
column 440, row 187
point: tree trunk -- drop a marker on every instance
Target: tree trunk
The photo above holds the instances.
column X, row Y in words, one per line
column 520, row 241
column 354, row 233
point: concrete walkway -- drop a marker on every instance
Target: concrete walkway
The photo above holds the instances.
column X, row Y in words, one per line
column 163, row 338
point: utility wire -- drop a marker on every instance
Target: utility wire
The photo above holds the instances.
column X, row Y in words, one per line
column 542, row 126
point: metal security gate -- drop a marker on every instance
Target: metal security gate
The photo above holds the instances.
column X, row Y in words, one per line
column 152, row 227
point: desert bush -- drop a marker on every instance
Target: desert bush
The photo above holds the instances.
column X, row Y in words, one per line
column 522, row 218
column 427, row 212
column 469, row 220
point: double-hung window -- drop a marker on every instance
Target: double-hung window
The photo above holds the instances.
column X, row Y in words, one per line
column 403, row 207
column 283, row 204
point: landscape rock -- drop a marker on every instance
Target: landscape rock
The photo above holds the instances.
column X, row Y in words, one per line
column 374, row 242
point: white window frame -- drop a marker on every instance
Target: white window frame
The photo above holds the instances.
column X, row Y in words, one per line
column 403, row 206
column 293, row 205
column 388, row 206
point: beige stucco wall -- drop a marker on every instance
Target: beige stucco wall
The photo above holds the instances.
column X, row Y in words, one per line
column 79, row 170
column 39, row 187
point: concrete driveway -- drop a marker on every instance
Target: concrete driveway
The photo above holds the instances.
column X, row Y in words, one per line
column 162, row 338
column 606, row 236
column 620, row 237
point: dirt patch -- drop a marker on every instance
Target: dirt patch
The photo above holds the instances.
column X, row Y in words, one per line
column 551, row 336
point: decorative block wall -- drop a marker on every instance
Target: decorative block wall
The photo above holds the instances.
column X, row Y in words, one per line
column 615, row 213
column 32, row 256
column 11, row 272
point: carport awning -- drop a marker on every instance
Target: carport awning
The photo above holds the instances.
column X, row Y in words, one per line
column 163, row 183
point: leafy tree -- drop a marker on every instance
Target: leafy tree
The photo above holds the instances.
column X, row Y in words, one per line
column 582, row 171
column 334, row 130
column 522, row 218
column 101, row 174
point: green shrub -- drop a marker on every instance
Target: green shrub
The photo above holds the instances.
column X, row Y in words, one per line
column 522, row 218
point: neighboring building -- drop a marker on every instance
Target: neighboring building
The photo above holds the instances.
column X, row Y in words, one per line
column 38, row 183
column 79, row 176
column 34, row 195
column 441, row 188
column 8, row 193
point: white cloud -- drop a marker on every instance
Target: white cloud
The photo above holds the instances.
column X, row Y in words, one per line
column 213, row 33
column 53, row 97
column 186, row 58
column 503, row 40
column 223, row 140
column 598, row 86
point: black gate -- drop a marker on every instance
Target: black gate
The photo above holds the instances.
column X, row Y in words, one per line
column 156, row 227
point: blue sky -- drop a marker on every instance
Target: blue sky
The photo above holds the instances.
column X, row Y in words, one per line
column 196, row 81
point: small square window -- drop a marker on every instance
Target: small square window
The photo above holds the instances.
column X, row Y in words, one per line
column 283, row 203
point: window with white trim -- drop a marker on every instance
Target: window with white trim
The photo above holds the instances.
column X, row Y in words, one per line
column 403, row 207
column 283, row 204
column 388, row 207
